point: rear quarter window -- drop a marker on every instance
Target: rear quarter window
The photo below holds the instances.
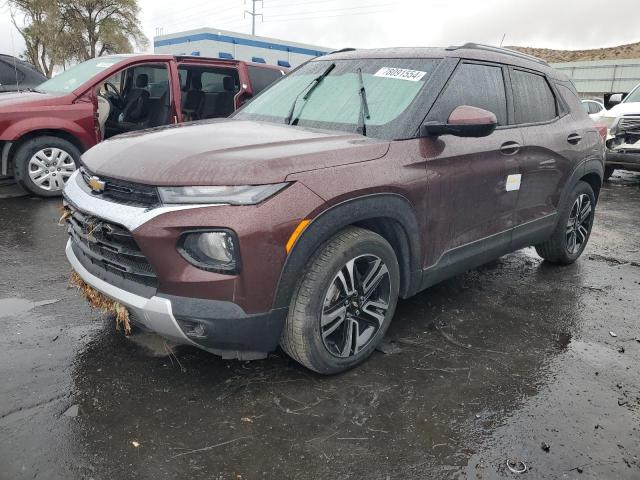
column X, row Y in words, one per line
column 533, row 98
column 571, row 99
column 261, row 78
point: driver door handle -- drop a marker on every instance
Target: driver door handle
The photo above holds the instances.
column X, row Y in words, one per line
column 510, row 148
column 574, row 138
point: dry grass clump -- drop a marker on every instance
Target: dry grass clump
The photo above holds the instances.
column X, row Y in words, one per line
column 65, row 212
column 98, row 301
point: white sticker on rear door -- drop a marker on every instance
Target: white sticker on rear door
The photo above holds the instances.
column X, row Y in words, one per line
column 513, row 182
column 400, row 73
column 104, row 64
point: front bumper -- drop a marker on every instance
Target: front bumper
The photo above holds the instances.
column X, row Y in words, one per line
column 229, row 332
column 629, row 160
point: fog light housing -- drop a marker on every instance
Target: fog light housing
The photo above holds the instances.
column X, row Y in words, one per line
column 211, row 250
column 193, row 328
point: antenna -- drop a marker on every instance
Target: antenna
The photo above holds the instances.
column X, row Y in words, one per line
column 503, row 37
column 15, row 66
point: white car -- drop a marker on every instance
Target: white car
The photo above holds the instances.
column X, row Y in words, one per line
column 623, row 132
column 594, row 108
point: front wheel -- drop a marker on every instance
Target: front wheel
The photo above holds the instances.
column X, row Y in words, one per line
column 43, row 165
column 572, row 233
column 344, row 302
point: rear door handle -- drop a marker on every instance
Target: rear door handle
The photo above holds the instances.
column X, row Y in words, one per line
column 510, row 148
column 574, row 138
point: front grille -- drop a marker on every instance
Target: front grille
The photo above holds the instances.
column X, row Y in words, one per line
column 109, row 247
column 124, row 192
column 629, row 125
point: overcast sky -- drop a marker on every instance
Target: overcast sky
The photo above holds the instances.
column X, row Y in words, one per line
column 562, row 24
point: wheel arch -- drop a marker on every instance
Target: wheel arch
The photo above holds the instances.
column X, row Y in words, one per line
column 7, row 159
column 389, row 215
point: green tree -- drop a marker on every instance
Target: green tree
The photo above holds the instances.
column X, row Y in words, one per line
column 58, row 32
column 101, row 27
column 41, row 25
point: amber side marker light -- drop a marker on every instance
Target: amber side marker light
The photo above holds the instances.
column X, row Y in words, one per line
column 296, row 233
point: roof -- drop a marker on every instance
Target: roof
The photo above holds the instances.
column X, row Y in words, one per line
column 468, row 51
column 187, row 58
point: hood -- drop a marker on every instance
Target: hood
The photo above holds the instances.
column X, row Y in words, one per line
column 226, row 152
column 631, row 108
column 11, row 100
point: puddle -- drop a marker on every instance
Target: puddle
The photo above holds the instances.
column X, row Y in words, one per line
column 16, row 306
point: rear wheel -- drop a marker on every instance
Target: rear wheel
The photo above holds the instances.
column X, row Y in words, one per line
column 43, row 165
column 344, row 302
column 572, row 233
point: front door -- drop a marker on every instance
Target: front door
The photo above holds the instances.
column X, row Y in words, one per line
column 479, row 177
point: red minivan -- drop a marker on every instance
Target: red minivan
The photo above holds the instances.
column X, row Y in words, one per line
column 44, row 131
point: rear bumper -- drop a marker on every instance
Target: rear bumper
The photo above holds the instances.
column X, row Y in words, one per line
column 225, row 329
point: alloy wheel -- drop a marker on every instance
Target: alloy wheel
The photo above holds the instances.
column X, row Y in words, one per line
column 355, row 305
column 579, row 223
column 50, row 168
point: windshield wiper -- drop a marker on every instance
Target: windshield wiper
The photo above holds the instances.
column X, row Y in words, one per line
column 311, row 87
column 364, row 107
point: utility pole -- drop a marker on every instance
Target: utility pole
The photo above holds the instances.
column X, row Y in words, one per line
column 254, row 15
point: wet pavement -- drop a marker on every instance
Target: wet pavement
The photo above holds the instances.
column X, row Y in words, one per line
column 517, row 361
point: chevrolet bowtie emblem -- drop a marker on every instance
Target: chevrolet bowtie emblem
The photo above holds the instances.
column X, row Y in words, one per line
column 96, row 185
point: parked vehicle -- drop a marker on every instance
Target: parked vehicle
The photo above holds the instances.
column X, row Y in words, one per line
column 594, row 108
column 623, row 139
column 361, row 177
column 44, row 131
column 17, row 75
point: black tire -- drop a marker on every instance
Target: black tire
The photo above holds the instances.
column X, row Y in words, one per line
column 608, row 171
column 61, row 165
column 302, row 337
column 558, row 249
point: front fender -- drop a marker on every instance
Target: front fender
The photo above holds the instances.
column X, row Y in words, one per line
column 26, row 126
column 386, row 206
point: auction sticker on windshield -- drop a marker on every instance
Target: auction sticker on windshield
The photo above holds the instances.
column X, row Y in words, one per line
column 400, row 73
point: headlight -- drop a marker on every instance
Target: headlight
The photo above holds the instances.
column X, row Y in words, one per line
column 607, row 121
column 215, row 250
column 233, row 195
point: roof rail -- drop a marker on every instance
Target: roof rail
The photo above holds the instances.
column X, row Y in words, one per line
column 348, row 49
column 491, row 48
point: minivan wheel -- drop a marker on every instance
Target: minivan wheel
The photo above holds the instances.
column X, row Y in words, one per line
column 43, row 165
column 574, row 227
column 343, row 303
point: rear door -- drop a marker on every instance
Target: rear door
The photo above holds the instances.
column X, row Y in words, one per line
column 262, row 77
column 478, row 202
column 554, row 143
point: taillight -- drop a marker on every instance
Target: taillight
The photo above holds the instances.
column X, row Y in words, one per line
column 602, row 130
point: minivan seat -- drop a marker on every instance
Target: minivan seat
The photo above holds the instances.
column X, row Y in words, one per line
column 193, row 100
column 136, row 106
column 224, row 102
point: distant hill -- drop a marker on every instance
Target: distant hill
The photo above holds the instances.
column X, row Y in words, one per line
column 631, row 50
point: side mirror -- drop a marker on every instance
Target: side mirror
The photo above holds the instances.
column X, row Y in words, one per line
column 464, row 121
column 615, row 99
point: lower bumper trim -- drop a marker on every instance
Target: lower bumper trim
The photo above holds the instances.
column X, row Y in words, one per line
column 231, row 333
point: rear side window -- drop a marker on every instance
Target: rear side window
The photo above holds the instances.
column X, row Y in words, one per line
column 594, row 107
column 10, row 74
column 261, row 78
column 475, row 85
column 571, row 99
column 533, row 99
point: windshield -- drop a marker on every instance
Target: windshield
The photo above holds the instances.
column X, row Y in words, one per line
column 392, row 93
column 634, row 96
column 71, row 79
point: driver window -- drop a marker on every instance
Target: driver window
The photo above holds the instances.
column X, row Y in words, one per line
column 134, row 99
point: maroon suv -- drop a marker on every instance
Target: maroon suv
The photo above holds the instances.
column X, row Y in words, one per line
column 361, row 177
column 43, row 131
